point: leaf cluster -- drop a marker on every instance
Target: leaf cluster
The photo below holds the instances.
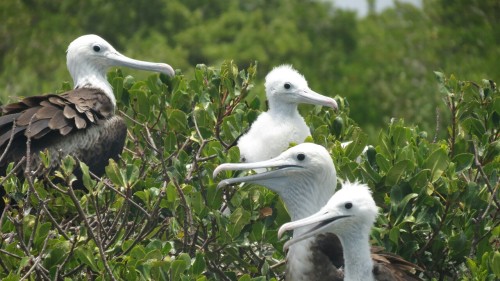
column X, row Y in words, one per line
column 157, row 214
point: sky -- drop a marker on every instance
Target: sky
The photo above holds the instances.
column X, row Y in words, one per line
column 361, row 6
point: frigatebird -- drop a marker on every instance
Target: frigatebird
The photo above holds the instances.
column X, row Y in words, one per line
column 80, row 122
column 274, row 130
column 350, row 214
column 304, row 177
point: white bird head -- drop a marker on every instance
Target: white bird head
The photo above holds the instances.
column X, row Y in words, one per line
column 285, row 86
column 89, row 57
column 351, row 210
column 304, row 177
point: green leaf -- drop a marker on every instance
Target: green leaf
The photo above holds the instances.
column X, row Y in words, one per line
column 354, row 149
column 42, row 233
column 239, row 218
column 396, row 172
column 87, row 181
column 199, row 264
column 86, row 256
column 420, row 180
column 437, row 162
column 473, row 126
column 495, row 264
column 382, row 162
column 140, row 100
column 56, row 254
column 177, row 120
column 394, row 235
column 114, row 173
column 463, row 161
column 170, row 142
column 177, row 268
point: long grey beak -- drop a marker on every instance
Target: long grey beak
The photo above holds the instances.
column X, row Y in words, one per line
column 311, row 97
column 118, row 59
column 282, row 168
column 320, row 220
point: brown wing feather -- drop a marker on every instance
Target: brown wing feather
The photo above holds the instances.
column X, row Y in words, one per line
column 36, row 127
column 52, row 114
column 390, row 267
column 8, row 119
column 65, row 130
column 27, row 116
column 47, row 111
column 4, row 138
column 69, row 112
column 80, row 122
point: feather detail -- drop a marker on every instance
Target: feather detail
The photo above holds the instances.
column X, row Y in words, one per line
column 47, row 111
column 69, row 112
column 27, row 116
column 80, row 122
column 36, row 127
column 4, row 138
column 58, row 121
column 65, row 130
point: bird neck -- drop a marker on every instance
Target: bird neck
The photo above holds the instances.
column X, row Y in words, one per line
column 357, row 255
column 86, row 76
column 299, row 262
column 305, row 195
column 279, row 109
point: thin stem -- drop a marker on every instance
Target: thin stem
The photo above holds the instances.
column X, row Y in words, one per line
column 96, row 239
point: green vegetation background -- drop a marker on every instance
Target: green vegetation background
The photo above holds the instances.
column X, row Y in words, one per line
column 382, row 63
column 155, row 215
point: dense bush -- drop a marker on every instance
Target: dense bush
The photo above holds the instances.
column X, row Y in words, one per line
column 157, row 212
column 382, row 63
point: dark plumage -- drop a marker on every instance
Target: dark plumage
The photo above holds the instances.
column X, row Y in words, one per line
column 57, row 123
column 81, row 122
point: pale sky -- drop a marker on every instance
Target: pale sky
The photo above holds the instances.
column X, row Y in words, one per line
column 361, row 6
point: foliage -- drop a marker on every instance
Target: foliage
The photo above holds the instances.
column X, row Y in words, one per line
column 382, row 63
column 157, row 212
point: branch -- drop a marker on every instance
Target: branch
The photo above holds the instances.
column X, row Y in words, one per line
column 72, row 195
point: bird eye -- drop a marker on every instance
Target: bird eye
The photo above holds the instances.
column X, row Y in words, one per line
column 97, row 48
column 348, row 205
column 287, row 86
column 301, row 156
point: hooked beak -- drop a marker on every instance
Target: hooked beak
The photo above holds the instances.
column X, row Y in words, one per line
column 311, row 97
column 118, row 59
column 321, row 220
column 280, row 168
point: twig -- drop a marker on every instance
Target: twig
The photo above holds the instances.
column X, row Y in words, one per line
column 13, row 170
column 188, row 223
column 10, row 254
column 11, row 138
column 97, row 240
column 60, row 266
column 37, row 261
column 217, row 270
column 492, row 190
column 437, row 126
column 436, row 231
column 453, row 125
column 150, row 140
column 120, row 193
column 35, row 226
column 278, row 264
